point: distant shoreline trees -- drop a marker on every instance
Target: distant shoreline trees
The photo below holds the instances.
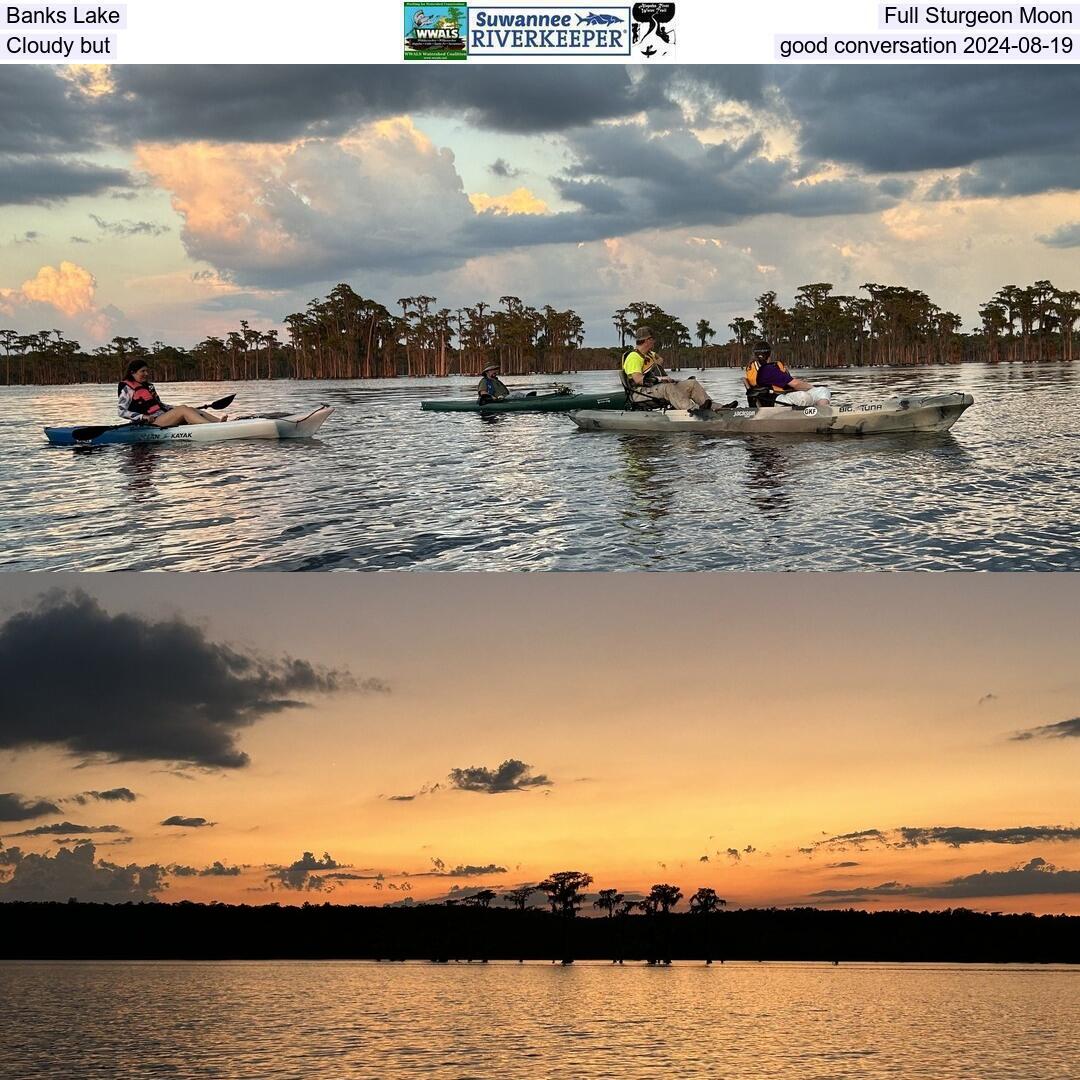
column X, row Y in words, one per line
column 347, row 336
column 444, row 932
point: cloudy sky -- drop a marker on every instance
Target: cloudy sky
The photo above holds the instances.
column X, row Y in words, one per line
column 844, row 739
column 172, row 202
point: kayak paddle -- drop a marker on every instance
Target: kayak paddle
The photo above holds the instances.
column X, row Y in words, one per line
column 86, row 434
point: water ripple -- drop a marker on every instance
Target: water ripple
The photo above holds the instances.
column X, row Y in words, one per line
column 389, row 487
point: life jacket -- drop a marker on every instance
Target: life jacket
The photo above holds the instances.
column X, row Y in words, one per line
column 144, row 399
column 754, row 369
column 651, row 373
column 491, row 386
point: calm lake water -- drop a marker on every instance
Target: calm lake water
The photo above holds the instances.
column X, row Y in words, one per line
column 343, row 1020
column 386, row 486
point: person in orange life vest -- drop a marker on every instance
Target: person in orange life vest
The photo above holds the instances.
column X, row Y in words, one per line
column 138, row 401
column 768, row 381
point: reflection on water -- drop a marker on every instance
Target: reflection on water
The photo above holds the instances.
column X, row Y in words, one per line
column 386, row 486
column 344, row 1020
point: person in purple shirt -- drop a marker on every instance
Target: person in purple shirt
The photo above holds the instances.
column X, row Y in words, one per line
column 768, row 381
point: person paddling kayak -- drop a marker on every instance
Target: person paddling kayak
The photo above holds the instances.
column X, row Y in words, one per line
column 768, row 381
column 138, row 401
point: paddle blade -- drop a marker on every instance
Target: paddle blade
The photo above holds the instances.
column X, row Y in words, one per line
column 221, row 403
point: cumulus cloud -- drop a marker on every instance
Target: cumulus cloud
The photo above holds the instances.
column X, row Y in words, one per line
column 189, row 822
column 68, row 828
column 1063, row 729
column 511, row 775
column 1034, row 878
column 212, row 690
column 75, row 873
column 382, row 197
column 304, row 873
column 15, row 807
column 69, row 288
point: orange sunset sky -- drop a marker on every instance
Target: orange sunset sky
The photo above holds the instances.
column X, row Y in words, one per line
column 877, row 741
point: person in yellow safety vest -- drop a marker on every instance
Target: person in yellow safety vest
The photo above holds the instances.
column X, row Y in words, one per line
column 644, row 377
column 768, row 381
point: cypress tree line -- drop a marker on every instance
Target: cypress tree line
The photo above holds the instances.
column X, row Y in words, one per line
column 346, row 336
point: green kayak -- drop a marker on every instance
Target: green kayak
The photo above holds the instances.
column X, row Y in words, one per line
column 558, row 402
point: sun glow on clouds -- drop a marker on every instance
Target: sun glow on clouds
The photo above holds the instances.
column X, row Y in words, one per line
column 69, row 288
column 519, row 201
column 90, row 80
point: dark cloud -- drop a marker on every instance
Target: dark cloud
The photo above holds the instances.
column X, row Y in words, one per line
column 511, row 775
column 1035, row 878
column 502, row 168
column 78, row 240
column 840, row 865
column 956, row 836
column 210, row 691
column 116, row 794
column 15, row 807
column 846, row 841
column 303, row 874
column 123, row 229
column 270, row 103
column 39, row 114
column 1064, row 236
column 27, row 179
column 440, row 869
column 952, row 116
column 215, row 869
column 987, row 698
column 189, row 822
column 74, row 873
column 1063, row 729
column 67, row 828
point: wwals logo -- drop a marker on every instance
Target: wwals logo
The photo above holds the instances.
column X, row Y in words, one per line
column 435, row 31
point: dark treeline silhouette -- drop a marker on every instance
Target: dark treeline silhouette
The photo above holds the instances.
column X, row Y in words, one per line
column 346, row 336
column 476, row 932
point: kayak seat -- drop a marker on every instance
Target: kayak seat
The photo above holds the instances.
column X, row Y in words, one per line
column 760, row 397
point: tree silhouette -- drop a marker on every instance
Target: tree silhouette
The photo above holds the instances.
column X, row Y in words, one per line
column 564, row 891
column 608, row 900
column 704, row 902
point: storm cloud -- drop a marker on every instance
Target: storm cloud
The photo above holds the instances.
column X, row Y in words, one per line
column 189, row 822
column 210, row 691
column 511, row 775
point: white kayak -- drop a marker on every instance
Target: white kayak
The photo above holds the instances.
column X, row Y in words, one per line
column 937, row 412
column 275, row 426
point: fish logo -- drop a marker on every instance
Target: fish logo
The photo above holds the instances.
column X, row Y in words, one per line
column 598, row 20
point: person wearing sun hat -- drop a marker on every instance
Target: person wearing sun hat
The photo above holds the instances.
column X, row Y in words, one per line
column 490, row 387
